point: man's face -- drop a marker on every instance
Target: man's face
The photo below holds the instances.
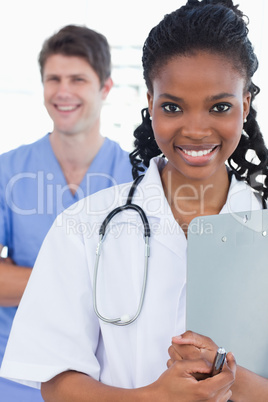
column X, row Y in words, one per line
column 72, row 94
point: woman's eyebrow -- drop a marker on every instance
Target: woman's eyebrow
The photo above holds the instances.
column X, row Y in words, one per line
column 171, row 97
column 210, row 98
column 220, row 96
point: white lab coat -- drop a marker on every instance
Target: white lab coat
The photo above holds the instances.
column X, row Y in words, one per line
column 56, row 328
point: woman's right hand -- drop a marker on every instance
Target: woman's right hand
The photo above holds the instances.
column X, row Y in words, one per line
column 179, row 384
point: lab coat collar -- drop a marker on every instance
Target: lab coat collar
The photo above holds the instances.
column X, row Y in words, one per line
column 241, row 197
column 149, row 195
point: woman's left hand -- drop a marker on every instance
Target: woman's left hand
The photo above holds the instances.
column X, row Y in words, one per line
column 191, row 345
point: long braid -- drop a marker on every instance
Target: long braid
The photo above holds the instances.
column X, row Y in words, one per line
column 145, row 145
column 245, row 166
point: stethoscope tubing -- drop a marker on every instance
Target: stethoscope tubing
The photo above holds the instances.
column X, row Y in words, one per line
column 125, row 319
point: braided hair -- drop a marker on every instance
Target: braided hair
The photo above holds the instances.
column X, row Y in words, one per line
column 217, row 26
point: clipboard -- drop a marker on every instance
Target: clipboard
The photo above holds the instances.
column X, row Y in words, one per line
column 227, row 284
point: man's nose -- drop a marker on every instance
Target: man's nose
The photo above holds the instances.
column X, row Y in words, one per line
column 64, row 88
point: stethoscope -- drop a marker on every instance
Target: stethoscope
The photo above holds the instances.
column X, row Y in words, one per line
column 124, row 319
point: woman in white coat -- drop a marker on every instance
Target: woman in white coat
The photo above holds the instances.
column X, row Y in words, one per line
column 198, row 65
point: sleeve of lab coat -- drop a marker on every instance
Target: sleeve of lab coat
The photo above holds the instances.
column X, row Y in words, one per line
column 55, row 328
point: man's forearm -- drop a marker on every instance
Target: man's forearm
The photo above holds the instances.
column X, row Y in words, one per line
column 13, row 280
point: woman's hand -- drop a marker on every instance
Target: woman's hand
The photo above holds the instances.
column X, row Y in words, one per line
column 179, row 382
column 248, row 386
column 191, row 346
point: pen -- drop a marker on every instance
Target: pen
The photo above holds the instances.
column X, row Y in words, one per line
column 218, row 362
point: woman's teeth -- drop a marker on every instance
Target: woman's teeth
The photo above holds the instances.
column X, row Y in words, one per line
column 197, row 153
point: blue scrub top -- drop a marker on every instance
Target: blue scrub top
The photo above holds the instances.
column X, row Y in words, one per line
column 33, row 191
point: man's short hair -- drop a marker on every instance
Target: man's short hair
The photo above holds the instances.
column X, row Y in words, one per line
column 80, row 41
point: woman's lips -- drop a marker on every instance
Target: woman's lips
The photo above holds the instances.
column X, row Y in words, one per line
column 198, row 155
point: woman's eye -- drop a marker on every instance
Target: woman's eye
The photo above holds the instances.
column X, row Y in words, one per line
column 171, row 108
column 221, row 107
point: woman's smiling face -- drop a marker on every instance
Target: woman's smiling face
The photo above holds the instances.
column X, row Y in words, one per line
column 198, row 106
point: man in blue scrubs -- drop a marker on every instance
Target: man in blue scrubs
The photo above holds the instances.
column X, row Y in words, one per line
column 39, row 180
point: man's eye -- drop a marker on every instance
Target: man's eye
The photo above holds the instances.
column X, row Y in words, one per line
column 171, row 108
column 221, row 107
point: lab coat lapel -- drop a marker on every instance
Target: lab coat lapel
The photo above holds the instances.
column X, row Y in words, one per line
column 150, row 196
column 240, row 198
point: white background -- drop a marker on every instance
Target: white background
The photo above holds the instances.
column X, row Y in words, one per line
column 24, row 25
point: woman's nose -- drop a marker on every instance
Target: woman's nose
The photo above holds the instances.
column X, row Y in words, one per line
column 195, row 127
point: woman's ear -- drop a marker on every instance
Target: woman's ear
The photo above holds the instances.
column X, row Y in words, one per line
column 246, row 104
column 150, row 99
